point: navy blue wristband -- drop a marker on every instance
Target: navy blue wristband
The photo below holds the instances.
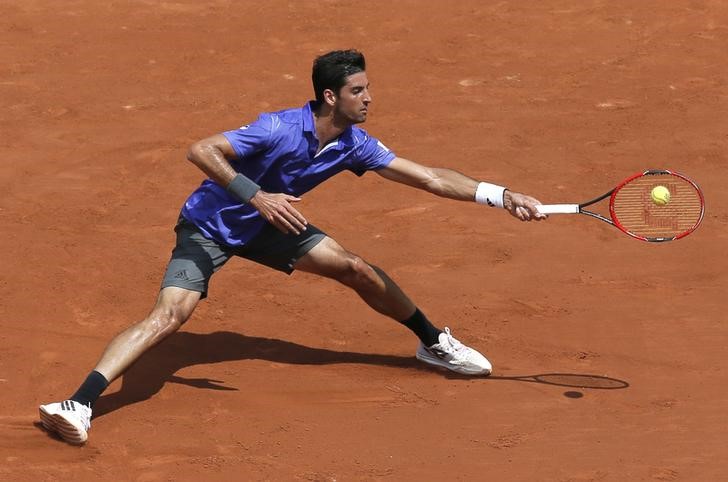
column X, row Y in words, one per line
column 243, row 188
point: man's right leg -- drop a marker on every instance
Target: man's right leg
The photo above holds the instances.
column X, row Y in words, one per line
column 71, row 418
column 379, row 291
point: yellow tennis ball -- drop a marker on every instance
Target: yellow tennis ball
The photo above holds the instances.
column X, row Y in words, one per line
column 660, row 195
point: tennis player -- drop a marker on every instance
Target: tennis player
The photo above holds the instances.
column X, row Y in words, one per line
column 247, row 208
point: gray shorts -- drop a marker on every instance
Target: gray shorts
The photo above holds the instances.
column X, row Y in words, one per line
column 195, row 258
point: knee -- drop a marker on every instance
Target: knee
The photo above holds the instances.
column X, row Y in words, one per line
column 162, row 322
column 358, row 273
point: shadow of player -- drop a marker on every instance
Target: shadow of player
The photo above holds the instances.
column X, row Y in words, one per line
column 157, row 367
column 182, row 349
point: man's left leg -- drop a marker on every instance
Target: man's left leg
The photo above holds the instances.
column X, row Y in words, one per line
column 331, row 260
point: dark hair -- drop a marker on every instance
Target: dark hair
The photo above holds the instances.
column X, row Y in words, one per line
column 331, row 70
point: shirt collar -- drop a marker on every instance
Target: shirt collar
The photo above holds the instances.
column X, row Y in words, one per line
column 345, row 138
column 308, row 123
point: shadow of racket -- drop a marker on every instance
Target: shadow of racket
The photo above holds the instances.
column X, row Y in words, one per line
column 572, row 380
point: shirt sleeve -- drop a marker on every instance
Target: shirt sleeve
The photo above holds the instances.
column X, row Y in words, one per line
column 372, row 155
column 251, row 138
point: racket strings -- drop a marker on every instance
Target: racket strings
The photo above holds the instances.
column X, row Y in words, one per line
column 633, row 207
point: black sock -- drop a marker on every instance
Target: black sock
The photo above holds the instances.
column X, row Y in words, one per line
column 421, row 326
column 91, row 389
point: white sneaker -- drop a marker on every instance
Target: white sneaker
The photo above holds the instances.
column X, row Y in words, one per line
column 71, row 420
column 455, row 356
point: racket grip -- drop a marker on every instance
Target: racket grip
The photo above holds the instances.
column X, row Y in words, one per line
column 558, row 208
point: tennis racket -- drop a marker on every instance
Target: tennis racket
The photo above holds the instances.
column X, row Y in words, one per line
column 633, row 210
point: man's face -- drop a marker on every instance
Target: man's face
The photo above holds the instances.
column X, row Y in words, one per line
column 353, row 99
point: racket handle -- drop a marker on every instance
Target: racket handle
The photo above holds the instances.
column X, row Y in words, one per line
column 558, row 208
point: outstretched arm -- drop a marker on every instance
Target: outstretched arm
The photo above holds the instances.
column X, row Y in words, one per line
column 212, row 156
column 454, row 185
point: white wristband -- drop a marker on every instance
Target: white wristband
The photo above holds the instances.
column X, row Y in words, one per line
column 490, row 194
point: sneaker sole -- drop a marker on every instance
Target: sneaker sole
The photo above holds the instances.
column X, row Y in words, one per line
column 58, row 424
column 455, row 368
column 46, row 419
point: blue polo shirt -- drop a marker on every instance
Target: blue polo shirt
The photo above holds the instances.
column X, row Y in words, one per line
column 278, row 152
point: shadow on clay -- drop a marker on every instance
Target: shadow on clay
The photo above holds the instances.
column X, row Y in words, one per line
column 157, row 367
column 182, row 349
column 573, row 380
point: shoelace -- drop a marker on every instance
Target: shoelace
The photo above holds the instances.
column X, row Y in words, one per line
column 454, row 343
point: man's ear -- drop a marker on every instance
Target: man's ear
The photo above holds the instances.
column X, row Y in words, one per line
column 330, row 97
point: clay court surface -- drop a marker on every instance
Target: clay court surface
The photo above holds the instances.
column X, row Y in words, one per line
column 278, row 378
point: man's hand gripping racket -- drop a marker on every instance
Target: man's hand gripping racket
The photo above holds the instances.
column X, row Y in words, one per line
column 655, row 206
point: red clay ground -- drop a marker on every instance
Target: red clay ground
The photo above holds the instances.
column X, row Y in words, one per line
column 296, row 379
